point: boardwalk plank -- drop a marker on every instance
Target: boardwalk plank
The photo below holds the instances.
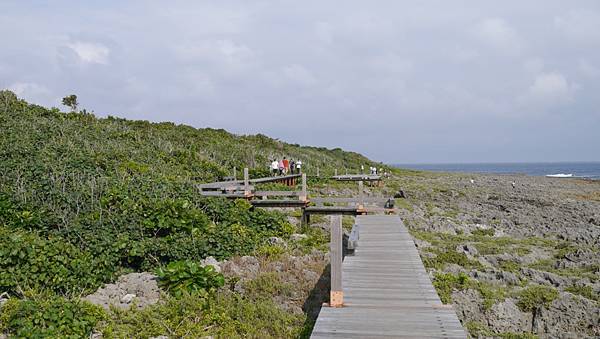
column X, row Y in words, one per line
column 387, row 291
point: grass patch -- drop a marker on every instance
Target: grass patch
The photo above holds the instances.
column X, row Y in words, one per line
column 403, row 203
column 479, row 330
column 510, row 266
column 347, row 222
column 450, row 257
column 316, row 239
column 535, row 296
column 549, row 265
column 225, row 316
column 490, row 293
column 584, row 291
column 267, row 285
column 446, row 283
column 269, row 251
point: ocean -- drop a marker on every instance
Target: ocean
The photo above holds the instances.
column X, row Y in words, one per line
column 590, row 170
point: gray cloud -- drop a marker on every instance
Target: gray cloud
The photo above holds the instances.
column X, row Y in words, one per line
column 432, row 81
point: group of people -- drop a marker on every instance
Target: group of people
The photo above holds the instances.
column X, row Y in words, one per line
column 372, row 170
column 285, row 166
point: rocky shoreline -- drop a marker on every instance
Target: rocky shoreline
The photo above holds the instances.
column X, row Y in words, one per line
column 513, row 254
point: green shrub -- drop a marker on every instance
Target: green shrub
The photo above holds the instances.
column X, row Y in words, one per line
column 188, row 276
column 28, row 261
column 268, row 285
column 510, row 266
column 446, row 283
column 490, row 293
column 225, row 316
column 451, row 257
column 49, row 317
column 584, row 291
column 479, row 330
column 536, row 296
column 316, row 239
column 271, row 252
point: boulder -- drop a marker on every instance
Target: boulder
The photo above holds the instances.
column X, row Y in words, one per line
column 276, row 241
column 507, row 317
column 468, row 305
column 141, row 287
column 212, row 262
column 298, row 237
column 568, row 316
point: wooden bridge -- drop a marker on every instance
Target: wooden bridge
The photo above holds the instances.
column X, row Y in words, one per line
column 383, row 290
column 246, row 189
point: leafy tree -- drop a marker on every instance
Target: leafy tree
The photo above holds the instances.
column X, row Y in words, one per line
column 71, row 102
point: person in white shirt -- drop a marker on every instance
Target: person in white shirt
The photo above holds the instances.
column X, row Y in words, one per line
column 299, row 166
column 275, row 166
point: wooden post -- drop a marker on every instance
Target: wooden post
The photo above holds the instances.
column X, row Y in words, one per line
column 335, row 172
column 336, row 296
column 234, row 173
column 361, row 195
column 305, row 217
column 304, row 194
column 318, row 175
column 246, row 182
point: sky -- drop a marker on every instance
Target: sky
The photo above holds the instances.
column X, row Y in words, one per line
column 399, row 81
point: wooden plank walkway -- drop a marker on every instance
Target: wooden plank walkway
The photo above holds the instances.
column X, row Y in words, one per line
column 387, row 292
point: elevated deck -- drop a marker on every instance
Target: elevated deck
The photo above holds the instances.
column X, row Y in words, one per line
column 387, row 292
column 357, row 177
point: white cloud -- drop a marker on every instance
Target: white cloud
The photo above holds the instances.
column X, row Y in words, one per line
column 28, row 88
column 90, row 52
column 33, row 92
column 580, row 25
column 299, row 75
column 227, row 54
column 588, row 69
column 497, row 33
column 549, row 89
column 549, row 84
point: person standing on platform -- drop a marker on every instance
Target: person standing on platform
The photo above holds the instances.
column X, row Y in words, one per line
column 274, row 167
column 299, row 166
column 281, row 167
column 286, row 165
column 292, row 166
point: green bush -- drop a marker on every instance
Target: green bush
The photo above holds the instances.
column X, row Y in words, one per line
column 584, row 291
column 533, row 297
column 446, row 283
column 195, row 316
column 451, row 257
column 28, row 261
column 184, row 276
column 49, row 317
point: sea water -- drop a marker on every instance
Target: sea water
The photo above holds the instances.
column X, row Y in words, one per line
column 590, row 170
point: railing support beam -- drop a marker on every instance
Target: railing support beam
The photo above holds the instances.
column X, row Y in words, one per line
column 247, row 191
column 336, row 295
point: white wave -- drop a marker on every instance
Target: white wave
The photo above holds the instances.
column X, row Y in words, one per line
column 560, row 175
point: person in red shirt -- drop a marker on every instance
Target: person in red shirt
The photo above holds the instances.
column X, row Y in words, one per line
column 286, row 165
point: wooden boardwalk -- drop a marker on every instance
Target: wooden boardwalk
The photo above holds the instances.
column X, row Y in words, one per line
column 387, row 292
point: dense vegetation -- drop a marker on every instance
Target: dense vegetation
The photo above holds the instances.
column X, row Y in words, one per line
column 84, row 199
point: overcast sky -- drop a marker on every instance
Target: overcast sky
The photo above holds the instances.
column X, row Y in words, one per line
column 400, row 81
